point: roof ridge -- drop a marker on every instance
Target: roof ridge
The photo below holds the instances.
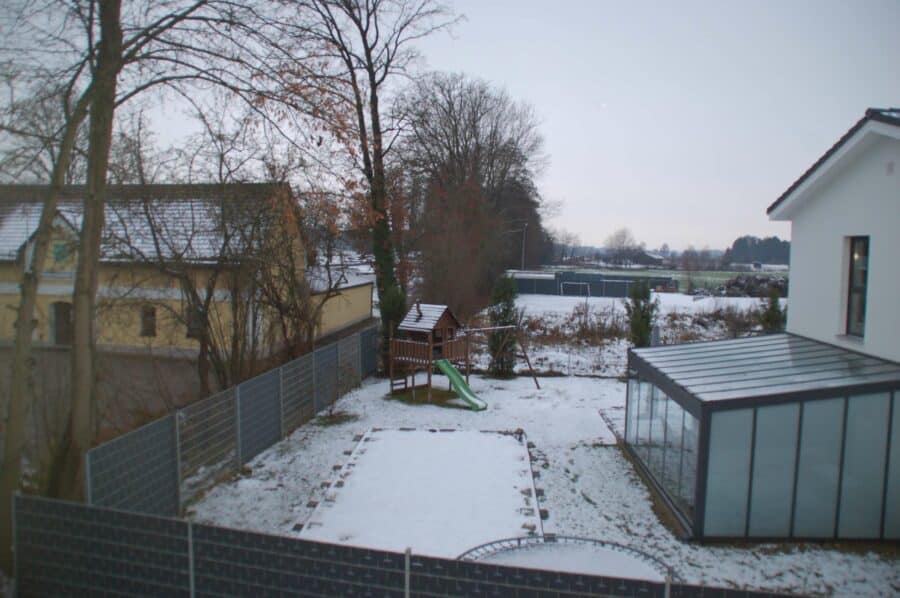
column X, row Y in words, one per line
column 882, row 115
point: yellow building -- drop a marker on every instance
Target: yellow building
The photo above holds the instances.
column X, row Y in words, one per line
column 174, row 257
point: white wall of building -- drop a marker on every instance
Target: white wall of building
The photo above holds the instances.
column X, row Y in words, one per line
column 859, row 196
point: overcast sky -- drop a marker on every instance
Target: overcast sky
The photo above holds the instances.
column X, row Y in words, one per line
column 681, row 120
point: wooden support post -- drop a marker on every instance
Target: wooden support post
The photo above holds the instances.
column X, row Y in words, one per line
column 430, row 361
column 468, row 360
column 391, row 356
column 528, row 361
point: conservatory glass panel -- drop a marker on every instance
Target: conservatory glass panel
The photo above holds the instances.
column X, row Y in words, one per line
column 672, row 465
column 689, row 461
column 657, row 431
column 892, row 504
column 775, row 451
column 862, row 484
column 818, row 467
column 643, row 420
column 632, row 400
column 728, row 476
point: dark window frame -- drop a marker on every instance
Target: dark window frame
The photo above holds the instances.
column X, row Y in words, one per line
column 860, row 290
column 195, row 320
column 148, row 321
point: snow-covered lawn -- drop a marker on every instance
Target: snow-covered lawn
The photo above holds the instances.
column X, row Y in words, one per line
column 679, row 315
column 407, row 488
column 556, row 306
column 590, row 489
column 577, row 558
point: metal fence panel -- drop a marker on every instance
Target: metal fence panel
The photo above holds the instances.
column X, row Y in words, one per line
column 326, row 376
column 348, row 364
column 69, row 549
column 208, row 441
column 368, row 346
column 66, row 549
column 299, row 392
column 137, row 471
column 440, row 577
column 232, row 562
column 259, row 414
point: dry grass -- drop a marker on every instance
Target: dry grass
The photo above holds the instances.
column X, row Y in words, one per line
column 586, row 325
column 335, row 418
column 439, row 398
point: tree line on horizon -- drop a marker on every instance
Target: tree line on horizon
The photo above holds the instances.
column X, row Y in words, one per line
column 622, row 248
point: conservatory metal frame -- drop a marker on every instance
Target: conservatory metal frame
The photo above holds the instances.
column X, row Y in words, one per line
column 757, row 358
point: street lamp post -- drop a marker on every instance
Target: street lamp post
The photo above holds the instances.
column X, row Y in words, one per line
column 524, row 235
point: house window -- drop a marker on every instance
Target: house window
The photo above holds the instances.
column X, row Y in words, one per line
column 194, row 319
column 62, row 322
column 859, row 278
column 148, row 320
column 60, row 252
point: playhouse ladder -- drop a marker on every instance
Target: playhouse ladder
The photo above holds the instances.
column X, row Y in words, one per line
column 399, row 384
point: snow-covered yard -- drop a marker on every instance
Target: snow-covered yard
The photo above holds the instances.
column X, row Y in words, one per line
column 589, row 488
column 679, row 317
column 406, row 488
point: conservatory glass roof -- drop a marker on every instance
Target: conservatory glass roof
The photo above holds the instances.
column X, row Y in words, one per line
column 777, row 364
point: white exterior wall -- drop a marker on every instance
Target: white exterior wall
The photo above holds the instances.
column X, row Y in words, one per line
column 859, row 197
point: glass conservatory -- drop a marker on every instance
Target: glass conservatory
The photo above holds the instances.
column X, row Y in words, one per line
column 769, row 437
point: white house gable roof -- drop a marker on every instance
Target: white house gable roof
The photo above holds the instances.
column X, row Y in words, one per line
column 876, row 122
column 423, row 317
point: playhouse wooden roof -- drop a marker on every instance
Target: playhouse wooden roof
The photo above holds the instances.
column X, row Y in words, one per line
column 423, row 317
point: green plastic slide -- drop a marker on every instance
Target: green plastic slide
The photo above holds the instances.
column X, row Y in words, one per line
column 460, row 386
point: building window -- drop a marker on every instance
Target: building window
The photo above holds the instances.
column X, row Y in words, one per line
column 62, row 323
column 194, row 321
column 60, row 252
column 859, row 277
column 148, row 320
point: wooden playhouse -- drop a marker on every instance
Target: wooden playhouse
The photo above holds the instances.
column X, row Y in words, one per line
column 427, row 333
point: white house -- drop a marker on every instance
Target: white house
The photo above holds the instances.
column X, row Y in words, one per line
column 845, row 240
column 794, row 435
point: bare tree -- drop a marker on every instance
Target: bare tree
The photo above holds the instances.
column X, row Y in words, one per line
column 470, row 154
column 621, row 244
column 104, row 55
column 365, row 45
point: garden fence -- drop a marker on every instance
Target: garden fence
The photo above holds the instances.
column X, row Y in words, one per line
column 158, row 467
column 65, row 548
column 127, row 541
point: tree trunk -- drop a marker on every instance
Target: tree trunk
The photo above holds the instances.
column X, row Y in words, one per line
column 70, row 482
column 20, row 375
column 203, row 367
column 382, row 242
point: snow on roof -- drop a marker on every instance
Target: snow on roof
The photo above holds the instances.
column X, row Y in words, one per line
column 526, row 275
column 422, row 317
column 342, row 277
column 191, row 220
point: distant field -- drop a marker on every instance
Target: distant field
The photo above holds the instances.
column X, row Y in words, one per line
column 702, row 278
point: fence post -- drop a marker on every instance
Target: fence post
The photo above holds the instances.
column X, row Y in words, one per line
column 315, row 390
column 237, row 423
column 406, row 576
column 281, row 397
column 667, row 593
column 177, row 420
column 87, row 478
column 190, row 541
column 359, row 374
